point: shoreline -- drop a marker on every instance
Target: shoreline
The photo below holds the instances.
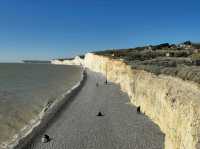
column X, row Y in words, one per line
column 28, row 132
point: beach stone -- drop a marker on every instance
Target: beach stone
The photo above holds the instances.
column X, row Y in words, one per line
column 138, row 109
column 45, row 139
column 100, row 114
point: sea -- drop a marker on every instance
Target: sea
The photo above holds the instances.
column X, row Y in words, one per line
column 25, row 90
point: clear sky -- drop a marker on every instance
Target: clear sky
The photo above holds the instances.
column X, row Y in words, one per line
column 45, row 29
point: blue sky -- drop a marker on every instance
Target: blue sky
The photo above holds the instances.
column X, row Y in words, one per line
column 45, row 29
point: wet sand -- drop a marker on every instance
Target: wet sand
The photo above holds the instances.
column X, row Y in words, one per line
column 121, row 127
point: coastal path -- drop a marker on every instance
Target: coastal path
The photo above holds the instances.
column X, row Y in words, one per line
column 77, row 126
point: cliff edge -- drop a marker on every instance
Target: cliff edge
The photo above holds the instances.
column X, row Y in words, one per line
column 163, row 80
column 170, row 102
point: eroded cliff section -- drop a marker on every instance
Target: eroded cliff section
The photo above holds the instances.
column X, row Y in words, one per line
column 76, row 61
column 170, row 102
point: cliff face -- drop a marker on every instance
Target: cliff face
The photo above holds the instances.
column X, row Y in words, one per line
column 76, row 61
column 170, row 102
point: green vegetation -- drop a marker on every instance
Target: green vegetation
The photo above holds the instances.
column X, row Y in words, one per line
column 176, row 60
column 195, row 56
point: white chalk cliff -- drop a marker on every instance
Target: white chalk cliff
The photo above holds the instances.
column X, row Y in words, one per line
column 170, row 102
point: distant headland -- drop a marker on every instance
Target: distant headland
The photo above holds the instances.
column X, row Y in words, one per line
column 36, row 62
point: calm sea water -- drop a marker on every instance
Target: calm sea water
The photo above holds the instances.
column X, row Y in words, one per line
column 26, row 88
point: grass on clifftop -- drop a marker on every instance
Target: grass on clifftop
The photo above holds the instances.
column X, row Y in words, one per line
column 176, row 60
